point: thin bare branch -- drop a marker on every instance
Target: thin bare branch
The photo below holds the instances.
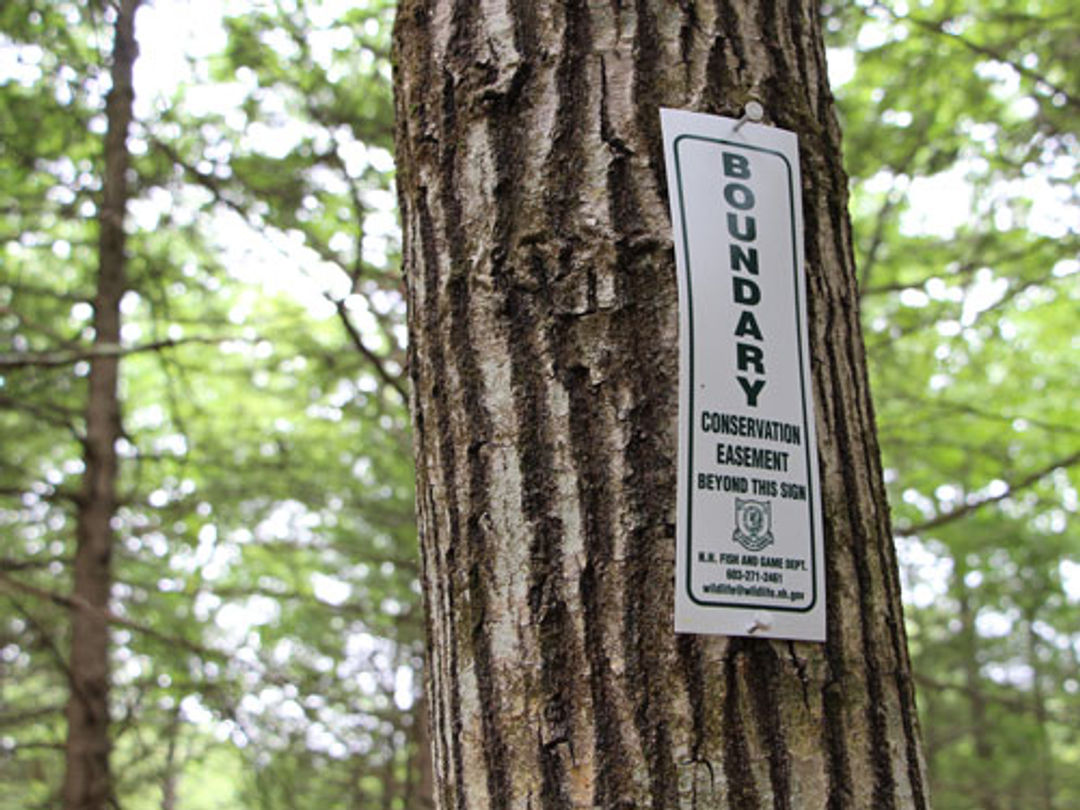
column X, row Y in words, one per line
column 12, row 585
column 938, row 27
column 377, row 362
column 54, row 359
column 1011, row 489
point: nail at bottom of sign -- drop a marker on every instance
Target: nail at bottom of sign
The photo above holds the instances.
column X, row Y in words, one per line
column 761, row 622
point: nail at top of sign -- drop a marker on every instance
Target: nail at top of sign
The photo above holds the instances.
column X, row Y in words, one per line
column 753, row 111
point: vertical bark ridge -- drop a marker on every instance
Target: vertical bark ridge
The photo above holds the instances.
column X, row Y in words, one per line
column 884, row 783
column 448, row 720
column 768, row 720
column 641, row 326
column 693, row 672
column 477, row 428
column 420, row 249
column 741, row 792
column 565, row 167
column 614, row 778
column 452, row 302
column 834, row 729
column 585, row 376
column 549, row 614
column 647, row 69
column 647, row 634
column 727, row 63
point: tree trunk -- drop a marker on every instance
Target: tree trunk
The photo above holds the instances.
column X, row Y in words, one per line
column 174, row 764
column 543, row 338
column 1044, row 771
column 980, row 728
column 86, row 777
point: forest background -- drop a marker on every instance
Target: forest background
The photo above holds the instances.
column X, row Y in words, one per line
column 265, row 623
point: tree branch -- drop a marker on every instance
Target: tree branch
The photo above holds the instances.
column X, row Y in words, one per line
column 216, row 188
column 54, row 359
column 51, row 414
column 942, row 404
column 9, row 564
column 47, row 641
column 938, row 27
column 11, row 584
column 16, row 718
column 376, row 361
column 1010, row 489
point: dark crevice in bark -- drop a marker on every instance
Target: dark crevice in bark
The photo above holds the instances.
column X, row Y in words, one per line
column 645, row 668
column 768, row 670
column 717, row 95
column 647, row 633
column 614, row 768
column 742, row 791
column 805, row 29
column 689, row 647
column 825, row 111
column 725, row 83
column 690, row 24
column 647, row 92
column 841, row 788
column 461, row 47
column 906, row 690
column 638, row 328
column 431, row 719
column 526, row 28
column 547, row 605
column 567, row 158
column 799, row 664
column 775, row 91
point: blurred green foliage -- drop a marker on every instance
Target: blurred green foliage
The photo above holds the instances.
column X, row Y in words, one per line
column 267, row 634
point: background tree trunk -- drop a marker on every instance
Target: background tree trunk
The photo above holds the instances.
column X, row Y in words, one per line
column 543, row 329
column 968, row 639
column 86, row 778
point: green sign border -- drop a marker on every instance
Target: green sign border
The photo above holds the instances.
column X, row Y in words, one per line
column 802, row 383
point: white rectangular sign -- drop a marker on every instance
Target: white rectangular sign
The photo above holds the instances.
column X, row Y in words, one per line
column 750, row 556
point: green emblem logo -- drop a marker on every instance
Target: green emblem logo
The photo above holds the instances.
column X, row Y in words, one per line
column 753, row 524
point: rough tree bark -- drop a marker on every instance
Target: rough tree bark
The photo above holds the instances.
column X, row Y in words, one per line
column 87, row 784
column 543, row 328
